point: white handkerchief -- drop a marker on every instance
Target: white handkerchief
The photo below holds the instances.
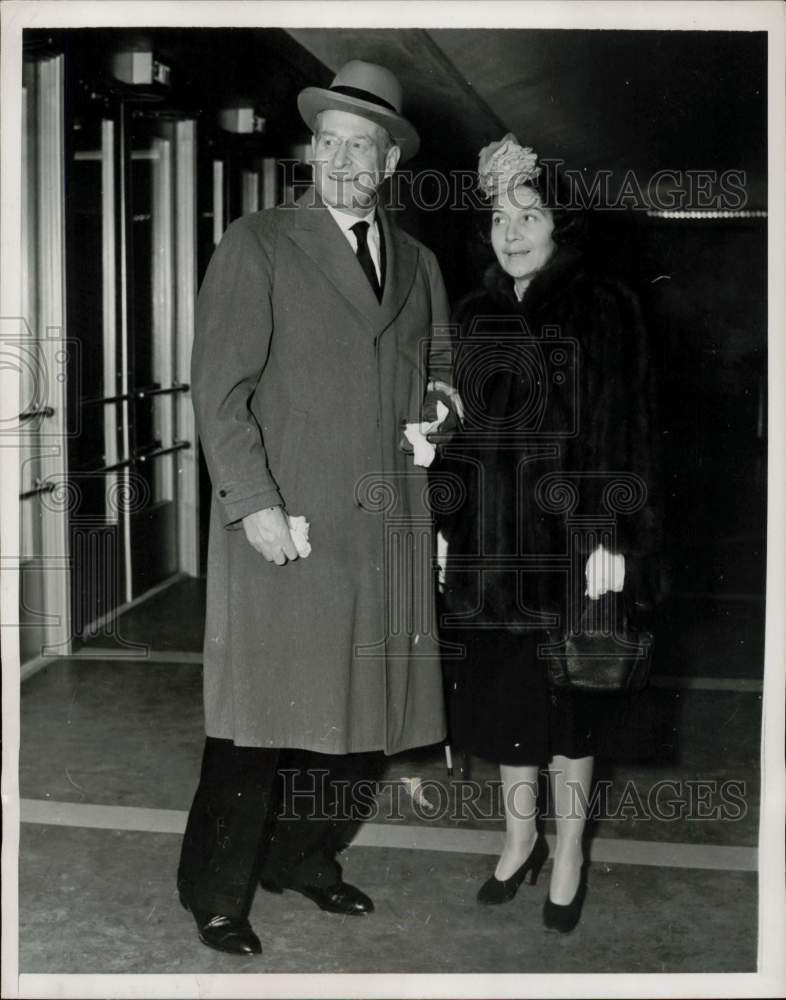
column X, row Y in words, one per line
column 298, row 529
column 416, row 435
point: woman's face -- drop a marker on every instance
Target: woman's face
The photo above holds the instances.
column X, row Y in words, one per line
column 521, row 229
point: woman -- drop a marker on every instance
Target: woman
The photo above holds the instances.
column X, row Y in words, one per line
column 552, row 366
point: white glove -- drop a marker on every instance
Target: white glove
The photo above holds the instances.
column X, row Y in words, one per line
column 604, row 571
column 416, row 435
column 442, row 560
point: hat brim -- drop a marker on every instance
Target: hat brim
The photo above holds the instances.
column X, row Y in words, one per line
column 312, row 100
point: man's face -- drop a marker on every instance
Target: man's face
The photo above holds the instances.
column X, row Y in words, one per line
column 350, row 161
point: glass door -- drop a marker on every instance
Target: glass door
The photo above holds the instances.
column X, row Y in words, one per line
column 109, row 471
column 96, row 453
column 152, row 384
column 131, row 281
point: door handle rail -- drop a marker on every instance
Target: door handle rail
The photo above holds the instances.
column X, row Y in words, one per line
column 37, row 491
column 105, row 400
column 115, row 467
column 157, row 391
column 142, row 393
column 138, row 458
column 39, row 411
column 175, row 446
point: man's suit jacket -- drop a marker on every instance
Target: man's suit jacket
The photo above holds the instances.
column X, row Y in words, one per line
column 301, row 381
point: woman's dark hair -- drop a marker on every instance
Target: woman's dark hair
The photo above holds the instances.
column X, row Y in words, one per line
column 570, row 221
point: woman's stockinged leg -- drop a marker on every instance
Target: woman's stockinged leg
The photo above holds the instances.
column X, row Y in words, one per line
column 570, row 789
column 520, row 796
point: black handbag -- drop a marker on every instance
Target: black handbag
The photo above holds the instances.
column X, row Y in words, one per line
column 604, row 655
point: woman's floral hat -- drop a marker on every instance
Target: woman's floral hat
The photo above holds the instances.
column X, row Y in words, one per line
column 504, row 164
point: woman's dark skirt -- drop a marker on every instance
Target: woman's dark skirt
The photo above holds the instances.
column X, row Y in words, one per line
column 502, row 709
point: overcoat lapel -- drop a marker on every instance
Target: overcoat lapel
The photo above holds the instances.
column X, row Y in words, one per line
column 402, row 264
column 317, row 234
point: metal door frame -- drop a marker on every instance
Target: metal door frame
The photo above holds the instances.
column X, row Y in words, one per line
column 42, row 427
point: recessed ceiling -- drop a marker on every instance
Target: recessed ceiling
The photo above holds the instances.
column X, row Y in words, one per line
column 641, row 101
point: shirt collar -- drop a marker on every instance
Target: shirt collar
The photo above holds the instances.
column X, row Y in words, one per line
column 345, row 221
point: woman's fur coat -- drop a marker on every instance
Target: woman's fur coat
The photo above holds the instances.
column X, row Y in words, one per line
column 557, row 448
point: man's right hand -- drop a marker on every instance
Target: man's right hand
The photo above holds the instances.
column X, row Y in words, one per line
column 268, row 532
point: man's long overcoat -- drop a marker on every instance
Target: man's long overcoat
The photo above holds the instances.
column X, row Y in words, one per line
column 301, row 381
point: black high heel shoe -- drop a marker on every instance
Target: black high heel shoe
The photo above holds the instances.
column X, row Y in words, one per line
column 564, row 918
column 495, row 890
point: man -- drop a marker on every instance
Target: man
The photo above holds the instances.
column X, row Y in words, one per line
column 313, row 337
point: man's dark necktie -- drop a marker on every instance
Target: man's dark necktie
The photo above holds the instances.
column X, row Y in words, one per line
column 360, row 229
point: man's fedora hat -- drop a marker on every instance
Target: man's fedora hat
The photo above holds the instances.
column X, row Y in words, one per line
column 368, row 90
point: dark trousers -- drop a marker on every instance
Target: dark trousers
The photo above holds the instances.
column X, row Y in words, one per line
column 273, row 815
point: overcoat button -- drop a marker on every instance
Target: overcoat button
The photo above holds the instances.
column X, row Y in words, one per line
column 222, row 493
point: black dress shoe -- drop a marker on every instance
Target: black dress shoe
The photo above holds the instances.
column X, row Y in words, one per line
column 338, row 898
column 233, row 935
column 564, row 918
column 495, row 890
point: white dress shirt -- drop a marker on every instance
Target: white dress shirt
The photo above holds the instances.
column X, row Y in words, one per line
column 345, row 221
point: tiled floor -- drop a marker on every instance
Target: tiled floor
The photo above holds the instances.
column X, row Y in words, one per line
column 673, row 896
